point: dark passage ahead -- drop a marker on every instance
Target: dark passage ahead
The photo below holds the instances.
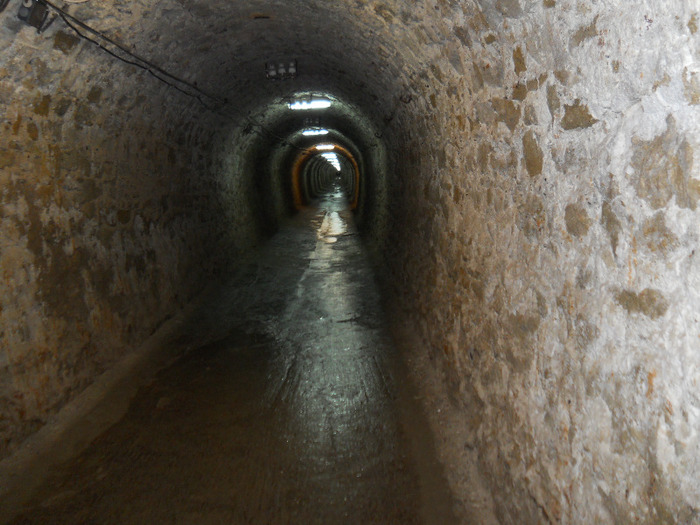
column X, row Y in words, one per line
column 290, row 416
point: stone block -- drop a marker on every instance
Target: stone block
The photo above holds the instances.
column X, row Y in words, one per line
column 577, row 116
column 532, row 153
column 65, row 42
column 649, row 302
column 577, row 220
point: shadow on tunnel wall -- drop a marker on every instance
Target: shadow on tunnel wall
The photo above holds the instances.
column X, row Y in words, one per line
column 121, row 202
column 529, row 186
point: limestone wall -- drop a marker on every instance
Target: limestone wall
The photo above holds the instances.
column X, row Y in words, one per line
column 110, row 211
column 531, row 181
column 545, row 238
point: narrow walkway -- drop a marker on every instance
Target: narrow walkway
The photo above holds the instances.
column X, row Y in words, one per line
column 291, row 415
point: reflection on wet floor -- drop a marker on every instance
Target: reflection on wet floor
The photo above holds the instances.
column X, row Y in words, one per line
column 284, row 413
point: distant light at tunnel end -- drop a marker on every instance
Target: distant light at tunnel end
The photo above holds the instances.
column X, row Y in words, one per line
column 322, row 147
column 332, row 159
column 318, row 103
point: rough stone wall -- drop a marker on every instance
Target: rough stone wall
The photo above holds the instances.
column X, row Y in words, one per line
column 242, row 218
column 545, row 237
column 542, row 215
column 110, row 207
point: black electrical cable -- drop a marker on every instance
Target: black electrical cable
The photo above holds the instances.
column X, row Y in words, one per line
column 134, row 63
column 274, row 135
column 137, row 61
column 156, row 71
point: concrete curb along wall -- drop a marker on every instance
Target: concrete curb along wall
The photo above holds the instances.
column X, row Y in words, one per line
column 546, row 224
column 539, row 219
column 88, row 415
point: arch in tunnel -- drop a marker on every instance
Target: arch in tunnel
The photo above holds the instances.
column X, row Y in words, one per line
column 302, row 161
column 515, row 189
column 271, row 139
column 321, row 174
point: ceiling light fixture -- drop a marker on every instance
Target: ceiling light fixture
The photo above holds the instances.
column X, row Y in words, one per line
column 310, row 103
column 332, row 159
column 314, row 131
column 324, row 147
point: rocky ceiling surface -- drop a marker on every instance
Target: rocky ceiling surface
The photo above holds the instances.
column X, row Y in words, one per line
column 349, row 48
column 534, row 197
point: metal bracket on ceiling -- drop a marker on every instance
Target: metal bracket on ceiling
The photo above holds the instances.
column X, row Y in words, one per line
column 34, row 13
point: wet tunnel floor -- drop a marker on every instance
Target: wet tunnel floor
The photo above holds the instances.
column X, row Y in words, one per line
column 285, row 410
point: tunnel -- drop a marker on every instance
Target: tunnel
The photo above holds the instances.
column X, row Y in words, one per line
column 523, row 176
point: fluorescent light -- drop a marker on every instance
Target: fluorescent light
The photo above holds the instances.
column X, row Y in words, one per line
column 322, row 147
column 313, row 132
column 332, row 159
column 318, row 103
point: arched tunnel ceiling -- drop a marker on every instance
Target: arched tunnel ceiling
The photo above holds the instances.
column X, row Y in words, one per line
column 344, row 121
column 532, row 205
column 361, row 53
column 347, row 48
